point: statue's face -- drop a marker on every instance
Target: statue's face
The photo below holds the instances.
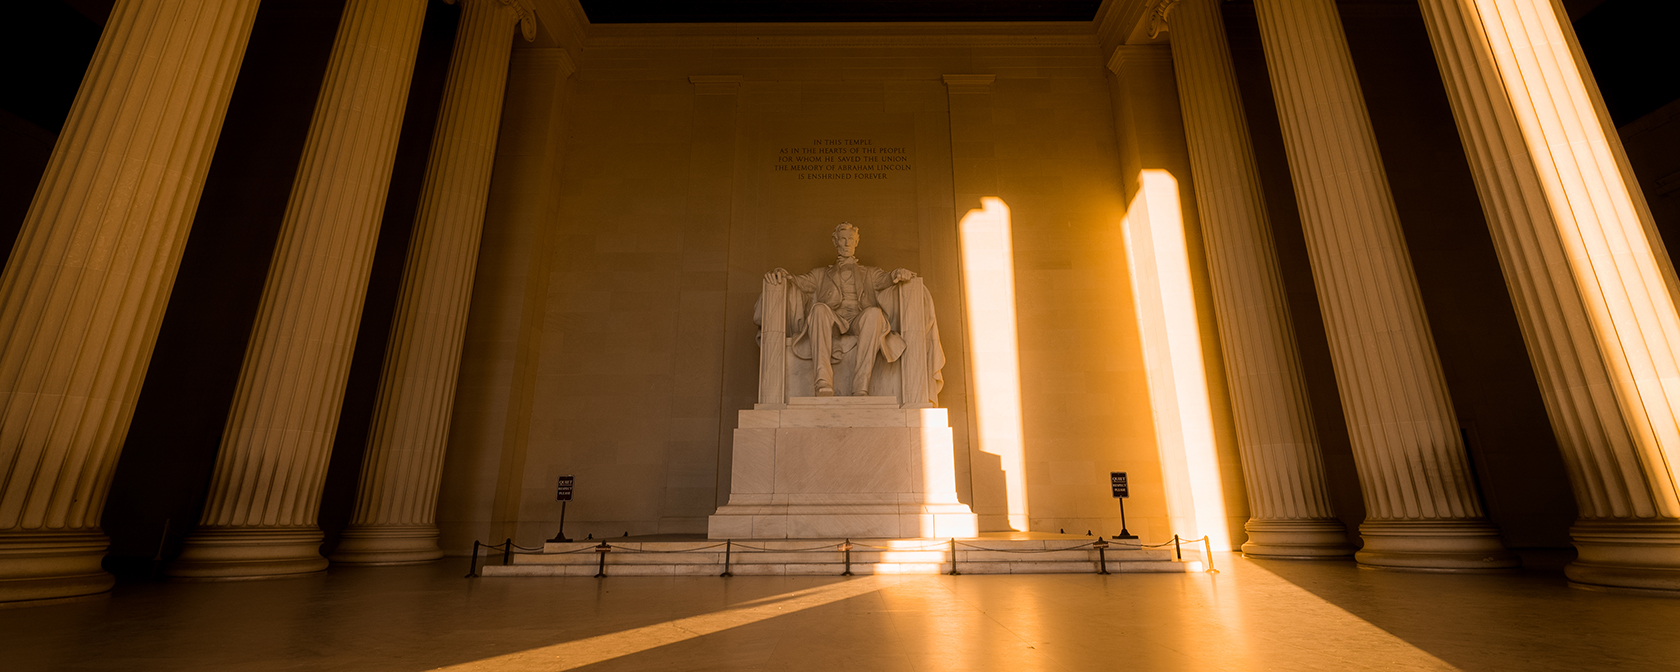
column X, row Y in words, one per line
column 846, row 244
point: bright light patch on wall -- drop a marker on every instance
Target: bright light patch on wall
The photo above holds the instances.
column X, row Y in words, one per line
column 988, row 258
column 1172, row 351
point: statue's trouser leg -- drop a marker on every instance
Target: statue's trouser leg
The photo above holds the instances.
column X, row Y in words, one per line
column 819, row 327
column 870, row 327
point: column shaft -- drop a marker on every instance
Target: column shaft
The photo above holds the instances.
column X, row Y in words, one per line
column 1423, row 511
column 1593, row 285
column 1282, row 462
column 83, row 293
column 259, row 518
column 396, row 505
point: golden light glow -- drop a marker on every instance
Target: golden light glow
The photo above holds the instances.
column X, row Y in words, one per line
column 912, row 561
column 911, row 556
column 1603, row 222
column 1172, row 350
column 988, row 257
column 936, row 457
column 588, row 651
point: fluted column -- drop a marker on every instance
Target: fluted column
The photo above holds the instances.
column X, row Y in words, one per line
column 1422, row 507
column 83, row 294
column 1282, row 462
column 396, row 503
column 1586, row 271
column 259, row 517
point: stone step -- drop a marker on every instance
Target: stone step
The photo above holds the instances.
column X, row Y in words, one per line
column 859, row 557
column 843, row 402
column 1002, row 545
column 836, row 569
column 821, row 557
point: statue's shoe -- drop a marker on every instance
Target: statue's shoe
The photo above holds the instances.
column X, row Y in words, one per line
column 824, row 390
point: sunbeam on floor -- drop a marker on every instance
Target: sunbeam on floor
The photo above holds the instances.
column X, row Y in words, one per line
column 1254, row 615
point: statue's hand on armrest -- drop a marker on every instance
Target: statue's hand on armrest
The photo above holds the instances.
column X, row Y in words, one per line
column 902, row 275
column 777, row 276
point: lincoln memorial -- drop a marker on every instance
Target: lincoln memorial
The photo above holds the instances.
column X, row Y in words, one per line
column 730, row 334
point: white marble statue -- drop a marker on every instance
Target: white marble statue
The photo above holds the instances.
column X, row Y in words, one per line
column 873, row 328
column 847, row 440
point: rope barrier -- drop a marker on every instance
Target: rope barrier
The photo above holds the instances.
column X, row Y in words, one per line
column 508, row 549
column 685, row 550
column 813, row 549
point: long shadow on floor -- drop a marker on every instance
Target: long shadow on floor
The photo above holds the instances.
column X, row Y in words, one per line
column 377, row 618
column 1528, row 619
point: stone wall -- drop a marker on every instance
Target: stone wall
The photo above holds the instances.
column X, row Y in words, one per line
column 684, row 175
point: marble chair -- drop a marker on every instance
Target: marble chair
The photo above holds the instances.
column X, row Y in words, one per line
column 907, row 368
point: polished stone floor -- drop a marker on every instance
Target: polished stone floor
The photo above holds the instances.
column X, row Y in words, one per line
column 1254, row 615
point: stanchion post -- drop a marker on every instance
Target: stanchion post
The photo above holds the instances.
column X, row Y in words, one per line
column 1178, row 551
column 727, row 544
column 847, row 549
column 954, row 571
column 1102, row 555
column 507, row 552
column 563, row 493
column 472, row 569
column 1207, row 551
column 560, row 536
column 601, row 552
column 1122, row 490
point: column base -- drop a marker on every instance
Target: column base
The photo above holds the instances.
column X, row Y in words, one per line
column 1460, row 545
column 1303, row 539
column 49, row 566
column 387, row 545
column 244, row 553
column 1626, row 555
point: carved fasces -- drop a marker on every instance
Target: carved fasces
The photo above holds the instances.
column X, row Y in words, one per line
column 914, row 319
column 772, row 317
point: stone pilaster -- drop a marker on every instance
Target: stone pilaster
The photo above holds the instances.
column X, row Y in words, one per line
column 1593, row 287
column 396, row 505
column 83, row 294
column 996, row 415
column 1422, row 507
column 1282, row 463
column 259, row 517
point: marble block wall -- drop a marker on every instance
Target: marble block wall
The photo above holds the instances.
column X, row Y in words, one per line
column 835, row 467
column 629, row 348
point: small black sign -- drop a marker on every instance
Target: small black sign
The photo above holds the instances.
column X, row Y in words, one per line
column 563, row 491
column 1118, row 480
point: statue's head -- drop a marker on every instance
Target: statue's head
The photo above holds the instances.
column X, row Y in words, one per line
column 845, row 239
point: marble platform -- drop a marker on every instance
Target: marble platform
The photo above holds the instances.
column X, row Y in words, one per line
column 842, row 467
column 990, row 554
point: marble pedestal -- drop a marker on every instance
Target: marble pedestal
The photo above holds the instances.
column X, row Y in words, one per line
column 842, row 467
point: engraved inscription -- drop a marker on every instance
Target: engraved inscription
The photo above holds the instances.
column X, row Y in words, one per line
column 842, row 159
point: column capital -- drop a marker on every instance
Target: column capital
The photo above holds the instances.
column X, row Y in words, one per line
column 716, row 85
column 1158, row 18
column 521, row 8
column 970, row 83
